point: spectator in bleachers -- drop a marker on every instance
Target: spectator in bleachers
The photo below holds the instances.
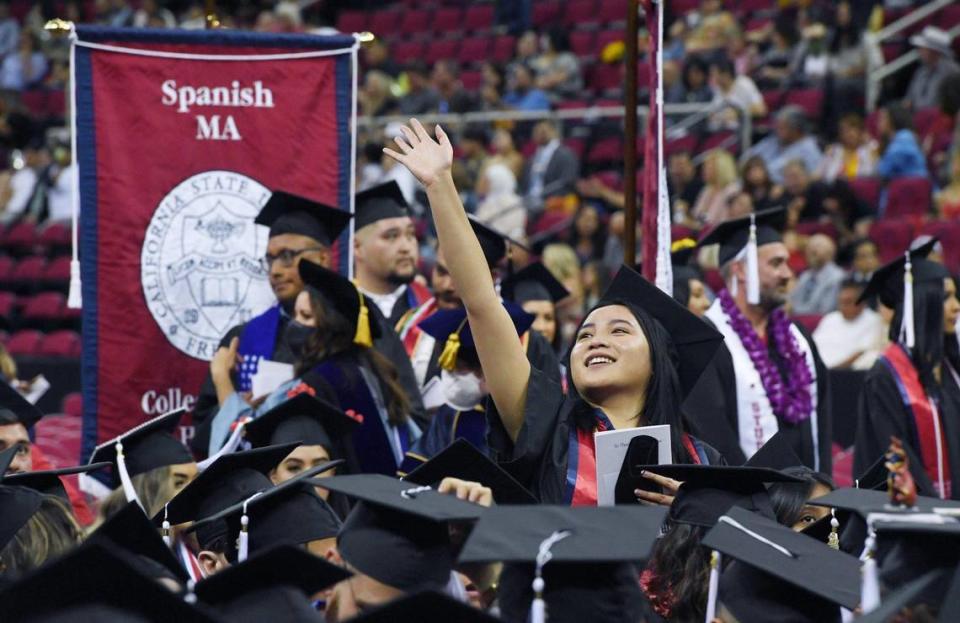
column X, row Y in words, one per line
column 779, row 64
column 739, row 204
column 673, row 88
column 59, row 182
column 24, row 68
column 850, row 51
column 514, row 15
column 557, row 68
column 522, row 94
column 505, row 152
column 527, row 48
column 553, row 169
column 420, row 98
column 9, row 30
column 936, row 56
column 21, row 186
column 866, row 259
column 719, row 185
column 802, row 196
column 947, row 200
column 814, row 56
column 902, row 156
column 153, row 15
column 712, row 28
column 446, row 81
column 695, row 85
column 500, row 206
column 789, row 141
column 817, row 287
column 738, row 92
column 683, row 183
column 589, row 235
column 114, row 13
column 374, row 96
column 492, row 85
column 376, row 56
column 473, row 155
column 854, row 155
column 851, row 337
column 756, row 181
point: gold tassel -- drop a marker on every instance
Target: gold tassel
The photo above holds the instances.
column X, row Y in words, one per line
column 834, row 539
column 363, row 335
column 448, row 358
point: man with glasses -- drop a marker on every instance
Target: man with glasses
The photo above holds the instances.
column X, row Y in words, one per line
column 300, row 228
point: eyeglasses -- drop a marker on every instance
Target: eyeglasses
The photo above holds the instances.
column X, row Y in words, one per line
column 285, row 257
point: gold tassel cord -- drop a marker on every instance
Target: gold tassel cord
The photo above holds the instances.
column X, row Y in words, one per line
column 448, row 358
column 363, row 337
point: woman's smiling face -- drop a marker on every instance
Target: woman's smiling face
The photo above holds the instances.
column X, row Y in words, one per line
column 610, row 352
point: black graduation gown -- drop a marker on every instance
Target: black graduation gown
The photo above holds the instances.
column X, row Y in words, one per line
column 390, row 346
column 710, row 410
column 538, row 459
column 882, row 413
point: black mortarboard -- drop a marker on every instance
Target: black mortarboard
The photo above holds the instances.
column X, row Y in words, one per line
column 226, row 481
column 733, row 235
column 16, row 408
column 273, row 585
column 379, row 202
column 398, row 533
column 894, row 602
column 694, row 339
column 18, row 504
column 875, row 476
column 709, row 491
column 492, row 242
column 776, row 453
column 462, row 460
column 345, row 297
column 908, row 548
column 130, row 530
column 304, row 419
column 533, row 283
column 779, row 574
column 451, row 327
column 425, row 607
column 145, row 447
column 886, row 283
column 866, row 501
column 286, row 213
column 950, row 607
column 100, row 574
column 48, row 481
column 290, row 513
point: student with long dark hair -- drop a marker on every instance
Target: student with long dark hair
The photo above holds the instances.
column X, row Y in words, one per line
column 632, row 357
column 913, row 391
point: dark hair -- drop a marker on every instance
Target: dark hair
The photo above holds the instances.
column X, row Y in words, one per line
column 679, row 572
column 852, row 284
column 662, row 398
column 333, row 337
column 598, row 239
column 694, row 63
column 559, row 39
column 417, row 67
column 747, row 185
column 789, row 498
column 928, row 349
column 477, row 133
column 900, row 117
column 724, row 65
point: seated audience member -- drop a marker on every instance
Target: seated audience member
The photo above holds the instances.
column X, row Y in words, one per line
column 866, row 259
column 553, row 169
column 854, row 155
column 790, row 141
column 558, row 70
column 902, row 156
column 713, row 28
column 522, row 94
column 739, row 92
column 757, row 183
column 420, row 98
column 816, row 289
column 720, row 184
column 852, row 336
column 936, row 56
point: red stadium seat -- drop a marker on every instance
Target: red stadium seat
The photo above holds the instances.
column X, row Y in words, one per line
column 479, row 18
column 503, row 47
column 867, row 189
column 44, row 307
column 892, row 236
column 29, row 270
column 679, row 232
column 580, row 12
column 576, row 145
column 407, row 52
column 605, row 78
column 815, row 227
column 721, row 140
column 58, row 270
column 6, row 268
column 22, row 236
column 679, row 7
column 808, row 321
column 581, row 42
column 610, row 179
column 55, row 236
column 60, row 344
column 908, row 196
column 8, row 301
column 749, row 7
column 384, row 23
column 606, row 150
column 924, row 119
column 949, row 234
column 474, row 50
column 545, row 13
column 441, row 50
column 612, row 11
column 686, row 144
column 447, row 20
column 56, row 104
column 35, row 101
column 472, row 80
column 72, row 405
column 948, row 17
column 606, row 37
column 810, row 100
column 24, row 342
column 414, row 22
column 352, row 21
column 714, row 279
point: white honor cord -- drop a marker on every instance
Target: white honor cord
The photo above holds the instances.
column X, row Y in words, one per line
column 739, row 526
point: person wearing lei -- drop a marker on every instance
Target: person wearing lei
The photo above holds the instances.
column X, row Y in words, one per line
column 767, row 376
column 635, row 355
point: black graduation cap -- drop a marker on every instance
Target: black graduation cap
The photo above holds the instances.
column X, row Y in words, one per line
column 229, row 479
column 16, row 408
column 303, row 418
column 425, row 607
column 694, row 339
column 18, row 504
column 950, row 607
column 132, row 531
column 273, row 585
column 290, row 513
column 533, row 283
column 776, row 453
column 145, row 447
column 733, row 235
column 398, row 533
column 492, row 242
column 346, row 299
column 908, row 548
column 48, row 481
column 779, row 574
column 875, row 476
column 95, row 574
column 866, row 501
column 462, row 460
column 451, row 327
column 286, row 213
column 886, row 283
column 904, row 596
column 709, row 491
column 379, row 202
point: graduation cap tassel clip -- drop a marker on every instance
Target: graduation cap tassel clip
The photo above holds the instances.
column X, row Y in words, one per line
column 713, row 586
column 451, row 348
column 128, row 490
column 870, row 583
column 753, row 265
column 363, row 336
column 907, row 332
column 834, row 539
column 165, row 527
column 243, row 542
column 538, row 608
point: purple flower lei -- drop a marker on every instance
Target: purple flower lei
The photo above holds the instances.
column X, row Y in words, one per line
column 790, row 401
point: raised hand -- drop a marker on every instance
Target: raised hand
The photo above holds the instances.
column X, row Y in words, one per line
column 426, row 158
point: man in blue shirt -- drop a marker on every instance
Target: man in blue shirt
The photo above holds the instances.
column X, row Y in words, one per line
column 522, row 95
column 789, row 141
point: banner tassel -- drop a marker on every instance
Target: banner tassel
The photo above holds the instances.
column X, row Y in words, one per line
column 74, row 296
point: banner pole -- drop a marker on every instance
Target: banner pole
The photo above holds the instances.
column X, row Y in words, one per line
column 630, row 132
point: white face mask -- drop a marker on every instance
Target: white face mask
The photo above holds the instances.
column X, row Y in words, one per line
column 463, row 390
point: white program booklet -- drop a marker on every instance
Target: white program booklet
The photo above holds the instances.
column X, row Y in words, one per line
column 36, row 389
column 612, row 447
column 269, row 376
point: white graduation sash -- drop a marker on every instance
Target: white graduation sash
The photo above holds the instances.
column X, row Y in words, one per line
column 756, row 422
